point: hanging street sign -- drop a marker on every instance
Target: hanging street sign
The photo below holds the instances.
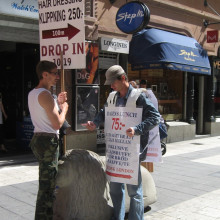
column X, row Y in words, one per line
column 212, row 36
column 132, row 17
column 62, row 30
column 115, row 45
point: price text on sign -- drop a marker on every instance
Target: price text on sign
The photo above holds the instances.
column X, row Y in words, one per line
column 116, row 124
column 61, row 25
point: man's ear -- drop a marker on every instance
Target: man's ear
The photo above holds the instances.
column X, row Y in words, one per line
column 123, row 77
column 44, row 74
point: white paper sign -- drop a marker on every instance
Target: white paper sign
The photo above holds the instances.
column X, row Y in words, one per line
column 115, row 45
column 122, row 152
column 61, row 27
column 154, row 146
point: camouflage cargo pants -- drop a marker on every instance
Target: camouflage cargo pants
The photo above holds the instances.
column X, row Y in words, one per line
column 46, row 150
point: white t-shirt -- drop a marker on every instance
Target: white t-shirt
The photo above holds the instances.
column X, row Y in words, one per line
column 38, row 114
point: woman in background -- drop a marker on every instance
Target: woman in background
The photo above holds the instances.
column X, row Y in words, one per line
column 2, row 112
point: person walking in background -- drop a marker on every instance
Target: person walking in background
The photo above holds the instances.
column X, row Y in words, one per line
column 134, row 84
column 143, row 84
column 117, row 78
column 2, row 112
column 45, row 142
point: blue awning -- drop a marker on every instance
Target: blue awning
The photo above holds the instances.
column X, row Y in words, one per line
column 158, row 49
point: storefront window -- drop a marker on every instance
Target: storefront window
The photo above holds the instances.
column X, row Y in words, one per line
column 167, row 86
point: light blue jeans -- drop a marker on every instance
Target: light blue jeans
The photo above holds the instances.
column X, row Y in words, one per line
column 117, row 192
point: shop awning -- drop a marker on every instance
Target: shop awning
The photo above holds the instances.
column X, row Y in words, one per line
column 157, row 49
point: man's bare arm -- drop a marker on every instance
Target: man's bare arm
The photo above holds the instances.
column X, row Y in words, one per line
column 47, row 102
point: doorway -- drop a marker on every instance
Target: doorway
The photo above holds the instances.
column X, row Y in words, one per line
column 18, row 77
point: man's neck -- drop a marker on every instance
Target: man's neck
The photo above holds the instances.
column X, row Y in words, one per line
column 43, row 85
column 124, row 90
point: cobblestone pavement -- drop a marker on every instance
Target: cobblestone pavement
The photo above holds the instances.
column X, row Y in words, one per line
column 187, row 182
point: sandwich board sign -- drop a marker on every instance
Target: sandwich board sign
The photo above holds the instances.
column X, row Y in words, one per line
column 62, row 31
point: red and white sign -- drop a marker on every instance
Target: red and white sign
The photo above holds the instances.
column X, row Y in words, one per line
column 212, row 36
column 122, row 152
column 154, row 146
column 62, row 29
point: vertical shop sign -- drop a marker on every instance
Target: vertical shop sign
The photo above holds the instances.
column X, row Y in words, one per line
column 62, row 30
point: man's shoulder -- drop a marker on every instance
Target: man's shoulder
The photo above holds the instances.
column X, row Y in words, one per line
column 45, row 95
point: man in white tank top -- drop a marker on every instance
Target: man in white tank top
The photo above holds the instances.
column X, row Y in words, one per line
column 45, row 142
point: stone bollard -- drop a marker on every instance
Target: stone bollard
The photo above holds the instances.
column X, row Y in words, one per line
column 83, row 191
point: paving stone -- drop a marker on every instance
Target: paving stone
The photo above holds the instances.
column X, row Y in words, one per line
column 187, row 184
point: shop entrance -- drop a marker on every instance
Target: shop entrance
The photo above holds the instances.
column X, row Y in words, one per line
column 8, row 86
column 18, row 77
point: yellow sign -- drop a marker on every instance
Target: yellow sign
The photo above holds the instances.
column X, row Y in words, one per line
column 188, row 54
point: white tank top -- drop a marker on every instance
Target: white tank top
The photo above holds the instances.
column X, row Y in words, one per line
column 38, row 114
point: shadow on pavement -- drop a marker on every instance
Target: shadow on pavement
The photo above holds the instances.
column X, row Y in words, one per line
column 15, row 154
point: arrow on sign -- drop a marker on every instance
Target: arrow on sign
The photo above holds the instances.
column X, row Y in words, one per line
column 69, row 32
column 118, row 175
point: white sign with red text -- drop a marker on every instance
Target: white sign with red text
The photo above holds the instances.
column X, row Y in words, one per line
column 154, row 146
column 62, row 29
column 122, row 152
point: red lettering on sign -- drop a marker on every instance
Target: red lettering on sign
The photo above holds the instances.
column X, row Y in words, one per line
column 43, row 51
column 78, row 48
column 52, row 50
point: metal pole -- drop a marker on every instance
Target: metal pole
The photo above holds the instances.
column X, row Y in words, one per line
column 185, row 97
column 201, row 105
column 62, row 90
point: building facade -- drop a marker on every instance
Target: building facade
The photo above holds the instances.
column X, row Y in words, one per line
column 188, row 101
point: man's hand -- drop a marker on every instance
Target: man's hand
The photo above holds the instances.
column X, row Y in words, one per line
column 89, row 125
column 62, row 97
column 64, row 107
column 130, row 132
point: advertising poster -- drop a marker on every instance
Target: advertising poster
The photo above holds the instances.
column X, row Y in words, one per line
column 87, row 105
column 122, row 152
column 89, row 75
column 24, row 132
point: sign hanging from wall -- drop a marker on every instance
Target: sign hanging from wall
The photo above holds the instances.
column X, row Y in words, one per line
column 132, row 17
column 115, row 45
column 212, row 36
column 61, row 27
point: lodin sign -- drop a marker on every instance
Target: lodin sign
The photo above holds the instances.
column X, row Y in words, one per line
column 132, row 17
column 61, row 25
